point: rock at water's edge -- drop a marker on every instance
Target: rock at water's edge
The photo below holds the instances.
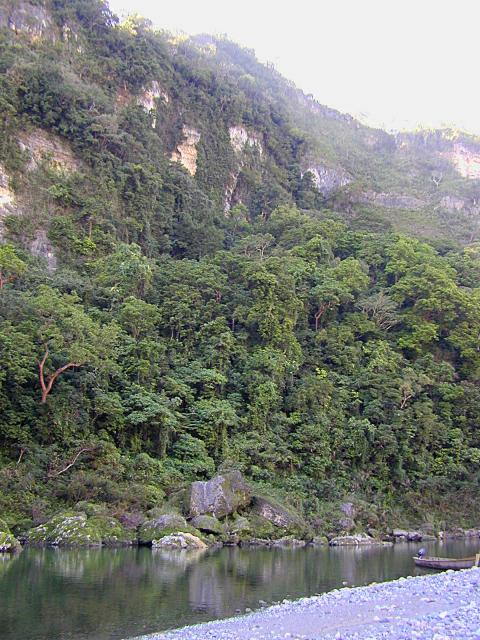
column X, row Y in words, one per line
column 181, row 541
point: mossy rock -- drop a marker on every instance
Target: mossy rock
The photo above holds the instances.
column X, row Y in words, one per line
column 208, row 524
column 8, row 542
column 180, row 541
column 240, row 526
column 271, row 519
column 74, row 529
column 65, row 529
column 111, row 532
column 166, row 524
column 221, row 496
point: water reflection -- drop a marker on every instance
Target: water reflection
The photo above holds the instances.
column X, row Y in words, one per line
column 95, row 594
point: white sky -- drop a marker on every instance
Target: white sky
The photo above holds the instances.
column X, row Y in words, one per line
column 396, row 63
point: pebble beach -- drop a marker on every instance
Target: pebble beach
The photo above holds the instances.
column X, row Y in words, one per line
column 443, row 606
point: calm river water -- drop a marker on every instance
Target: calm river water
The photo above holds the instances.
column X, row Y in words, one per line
column 100, row 594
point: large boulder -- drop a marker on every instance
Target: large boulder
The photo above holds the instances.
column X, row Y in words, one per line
column 277, row 514
column 288, row 542
column 220, row 496
column 8, row 542
column 164, row 525
column 180, row 541
column 73, row 529
column 240, row 526
column 409, row 536
column 208, row 524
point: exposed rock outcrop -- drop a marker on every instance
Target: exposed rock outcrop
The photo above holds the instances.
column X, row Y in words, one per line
column 47, row 147
column 248, row 147
column 394, row 200
column 453, row 203
column 241, row 139
column 30, row 19
column 7, row 198
column 150, row 97
column 466, row 159
column 151, row 94
column 41, row 247
column 219, row 496
column 186, row 152
column 328, row 179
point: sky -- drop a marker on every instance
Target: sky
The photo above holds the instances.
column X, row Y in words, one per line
column 394, row 63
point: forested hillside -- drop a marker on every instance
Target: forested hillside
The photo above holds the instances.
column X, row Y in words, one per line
column 202, row 269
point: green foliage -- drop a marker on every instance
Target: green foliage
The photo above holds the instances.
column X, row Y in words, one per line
column 312, row 349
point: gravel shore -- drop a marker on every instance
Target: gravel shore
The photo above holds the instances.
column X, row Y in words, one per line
column 443, row 606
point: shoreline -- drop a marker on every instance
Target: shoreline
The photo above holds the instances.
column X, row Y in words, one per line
column 440, row 606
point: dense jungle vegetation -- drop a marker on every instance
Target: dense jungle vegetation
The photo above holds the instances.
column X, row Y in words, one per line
column 323, row 354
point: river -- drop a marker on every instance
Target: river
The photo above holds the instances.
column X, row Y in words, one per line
column 100, row 594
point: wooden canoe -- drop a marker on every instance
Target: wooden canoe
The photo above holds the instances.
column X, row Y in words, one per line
column 446, row 563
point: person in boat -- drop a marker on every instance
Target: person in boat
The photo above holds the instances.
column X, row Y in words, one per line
column 421, row 552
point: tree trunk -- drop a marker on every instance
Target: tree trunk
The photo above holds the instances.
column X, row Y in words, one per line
column 47, row 384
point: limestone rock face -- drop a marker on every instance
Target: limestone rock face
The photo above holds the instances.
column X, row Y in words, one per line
column 150, row 98
column 40, row 246
column 48, row 147
column 29, row 19
column 150, row 94
column 241, row 139
column 248, row 148
column 452, row 203
column 328, row 179
column 466, row 160
column 180, row 541
column 186, row 152
column 219, row 496
column 395, row 200
column 7, row 198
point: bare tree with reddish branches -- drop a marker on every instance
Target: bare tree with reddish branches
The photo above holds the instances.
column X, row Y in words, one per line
column 48, row 380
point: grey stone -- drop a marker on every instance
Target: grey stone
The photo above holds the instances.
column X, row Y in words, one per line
column 348, row 508
column 410, row 536
column 158, row 527
column 288, row 541
column 180, row 541
column 275, row 513
column 358, row 539
column 220, row 496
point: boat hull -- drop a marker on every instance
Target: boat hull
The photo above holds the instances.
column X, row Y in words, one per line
column 445, row 563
